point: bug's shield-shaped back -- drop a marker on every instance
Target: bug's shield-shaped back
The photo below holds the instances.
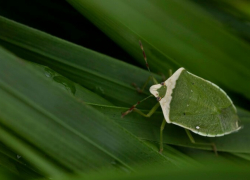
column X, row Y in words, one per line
column 202, row 107
column 199, row 105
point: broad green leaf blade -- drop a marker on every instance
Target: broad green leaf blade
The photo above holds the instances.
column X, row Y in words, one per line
column 174, row 34
column 231, row 15
column 16, row 164
column 74, row 134
column 115, row 71
column 245, row 156
column 32, row 155
column 149, row 129
column 99, row 73
column 20, row 142
column 7, row 175
column 7, row 164
column 215, row 171
column 80, row 93
column 96, row 101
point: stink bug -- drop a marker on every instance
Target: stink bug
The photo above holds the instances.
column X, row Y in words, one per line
column 193, row 103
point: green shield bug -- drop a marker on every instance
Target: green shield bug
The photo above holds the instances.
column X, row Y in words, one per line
column 193, row 103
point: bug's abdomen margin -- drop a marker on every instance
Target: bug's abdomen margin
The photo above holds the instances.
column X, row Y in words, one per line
column 202, row 107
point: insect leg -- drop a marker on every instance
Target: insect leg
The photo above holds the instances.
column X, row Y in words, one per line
column 162, row 125
column 207, row 144
column 161, row 134
column 150, row 112
column 133, row 107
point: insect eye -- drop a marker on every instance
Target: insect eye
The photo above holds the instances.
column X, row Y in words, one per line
column 162, row 83
column 158, row 98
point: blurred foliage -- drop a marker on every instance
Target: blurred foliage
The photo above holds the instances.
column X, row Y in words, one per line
column 61, row 102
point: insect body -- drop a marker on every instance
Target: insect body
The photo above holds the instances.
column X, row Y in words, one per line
column 192, row 103
column 196, row 104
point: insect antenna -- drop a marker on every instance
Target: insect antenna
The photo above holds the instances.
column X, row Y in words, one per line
column 146, row 62
column 151, row 77
column 133, row 107
column 144, row 55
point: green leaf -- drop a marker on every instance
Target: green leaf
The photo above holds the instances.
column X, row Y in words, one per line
column 71, row 133
column 16, row 164
column 99, row 73
column 111, row 79
column 68, row 119
column 149, row 129
column 216, row 171
column 174, row 34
